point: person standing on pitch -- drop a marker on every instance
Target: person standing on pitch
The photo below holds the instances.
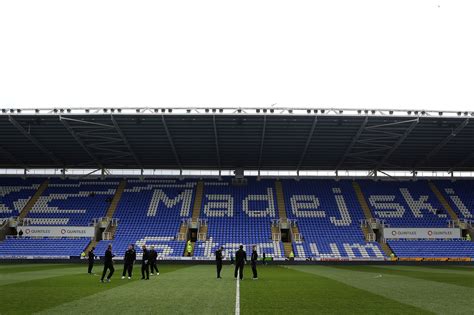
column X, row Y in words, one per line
column 240, row 260
column 153, row 259
column 219, row 256
column 128, row 261
column 91, row 257
column 145, row 263
column 253, row 261
column 108, row 264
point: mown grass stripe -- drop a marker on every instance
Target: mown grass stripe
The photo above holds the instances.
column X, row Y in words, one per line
column 440, row 298
column 19, row 277
column 285, row 291
column 185, row 290
column 428, row 269
column 34, row 267
column 462, row 280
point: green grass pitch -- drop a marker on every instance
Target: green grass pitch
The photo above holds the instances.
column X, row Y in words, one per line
column 185, row 289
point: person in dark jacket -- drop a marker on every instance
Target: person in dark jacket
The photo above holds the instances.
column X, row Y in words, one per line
column 219, row 257
column 108, row 264
column 153, row 260
column 145, row 263
column 128, row 261
column 91, row 257
column 253, row 261
column 240, row 260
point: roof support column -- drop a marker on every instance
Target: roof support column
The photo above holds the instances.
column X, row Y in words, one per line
column 308, row 141
column 173, row 148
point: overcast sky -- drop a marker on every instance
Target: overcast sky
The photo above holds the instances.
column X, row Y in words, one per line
column 331, row 53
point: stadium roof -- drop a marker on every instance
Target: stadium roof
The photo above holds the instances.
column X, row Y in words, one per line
column 230, row 138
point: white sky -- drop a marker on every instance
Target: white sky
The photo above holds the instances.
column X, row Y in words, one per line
column 331, row 53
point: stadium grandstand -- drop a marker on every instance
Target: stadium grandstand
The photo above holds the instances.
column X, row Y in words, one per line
column 308, row 185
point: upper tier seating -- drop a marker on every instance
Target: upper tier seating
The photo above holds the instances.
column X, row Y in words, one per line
column 150, row 212
column 460, row 196
column 328, row 216
column 239, row 215
column 404, row 204
column 15, row 193
column 75, row 202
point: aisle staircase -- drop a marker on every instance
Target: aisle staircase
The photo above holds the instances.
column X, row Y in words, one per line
column 442, row 200
column 362, row 201
column 198, row 200
column 29, row 205
column 287, row 246
column 116, row 199
column 280, row 200
column 366, row 229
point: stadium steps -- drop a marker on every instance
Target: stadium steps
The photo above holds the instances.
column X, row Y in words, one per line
column 198, row 200
column 29, row 205
column 116, row 199
column 443, row 201
column 288, row 247
column 362, row 200
column 111, row 229
column 387, row 250
column 280, row 200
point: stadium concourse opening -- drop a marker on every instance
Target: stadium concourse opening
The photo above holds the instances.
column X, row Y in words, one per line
column 306, row 185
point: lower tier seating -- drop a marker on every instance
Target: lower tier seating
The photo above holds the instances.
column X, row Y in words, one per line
column 432, row 248
column 43, row 246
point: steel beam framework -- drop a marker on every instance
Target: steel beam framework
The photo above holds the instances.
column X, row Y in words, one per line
column 308, row 141
column 446, row 140
column 170, row 140
column 33, row 140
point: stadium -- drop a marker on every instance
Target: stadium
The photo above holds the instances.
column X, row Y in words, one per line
column 357, row 211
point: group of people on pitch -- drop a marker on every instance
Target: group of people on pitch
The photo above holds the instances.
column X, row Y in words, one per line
column 240, row 261
column 149, row 262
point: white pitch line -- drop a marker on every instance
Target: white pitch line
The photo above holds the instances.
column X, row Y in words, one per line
column 237, row 296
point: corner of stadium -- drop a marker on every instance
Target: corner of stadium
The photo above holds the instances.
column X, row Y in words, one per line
column 343, row 207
